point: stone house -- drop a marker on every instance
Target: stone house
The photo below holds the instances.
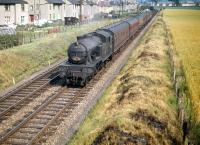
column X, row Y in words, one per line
column 46, row 10
column 13, row 12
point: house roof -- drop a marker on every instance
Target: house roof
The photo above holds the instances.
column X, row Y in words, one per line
column 55, row 1
column 75, row 2
column 13, row 2
column 90, row 3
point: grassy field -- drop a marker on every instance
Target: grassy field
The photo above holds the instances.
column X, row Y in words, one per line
column 22, row 61
column 182, row 7
column 184, row 26
column 139, row 107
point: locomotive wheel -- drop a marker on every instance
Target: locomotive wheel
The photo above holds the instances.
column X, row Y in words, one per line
column 63, row 82
column 82, row 83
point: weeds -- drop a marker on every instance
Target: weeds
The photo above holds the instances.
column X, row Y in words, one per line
column 114, row 135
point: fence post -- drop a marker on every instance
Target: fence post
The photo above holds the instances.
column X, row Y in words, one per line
column 30, row 37
column 22, row 37
column 13, row 81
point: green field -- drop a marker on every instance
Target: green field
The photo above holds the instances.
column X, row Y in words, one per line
column 184, row 26
column 21, row 61
column 140, row 106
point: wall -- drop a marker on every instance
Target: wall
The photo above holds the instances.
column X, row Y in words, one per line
column 20, row 14
column 15, row 14
column 4, row 14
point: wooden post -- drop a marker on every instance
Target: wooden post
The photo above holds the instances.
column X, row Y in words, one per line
column 13, row 81
column 81, row 16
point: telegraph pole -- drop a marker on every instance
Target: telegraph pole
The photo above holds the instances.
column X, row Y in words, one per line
column 122, row 6
column 81, row 16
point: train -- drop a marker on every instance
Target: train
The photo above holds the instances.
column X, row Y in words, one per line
column 91, row 51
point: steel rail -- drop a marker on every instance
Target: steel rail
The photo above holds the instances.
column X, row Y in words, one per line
column 66, row 107
column 29, row 82
column 12, row 92
column 25, row 98
column 12, row 131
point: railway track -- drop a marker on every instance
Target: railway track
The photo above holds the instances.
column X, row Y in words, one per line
column 45, row 117
column 36, row 122
column 32, row 126
column 11, row 102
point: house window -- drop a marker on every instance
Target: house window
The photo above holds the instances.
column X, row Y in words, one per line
column 22, row 19
column 50, row 16
column 54, row 7
column 22, row 7
column 50, row 7
column 37, row 6
column 31, row 7
column 7, row 7
column 7, row 19
column 54, row 16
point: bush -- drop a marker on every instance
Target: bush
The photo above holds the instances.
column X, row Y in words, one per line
column 7, row 41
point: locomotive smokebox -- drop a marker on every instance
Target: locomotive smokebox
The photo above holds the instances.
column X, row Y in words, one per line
column 77, row 53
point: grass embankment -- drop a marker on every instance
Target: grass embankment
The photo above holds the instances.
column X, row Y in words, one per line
column 139, row 107
column 184, row 26
column 21, row 61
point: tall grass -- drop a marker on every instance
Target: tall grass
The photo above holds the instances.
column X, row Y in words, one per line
column 185, row 28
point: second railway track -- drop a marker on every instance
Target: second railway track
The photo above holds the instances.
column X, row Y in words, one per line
column 15, row 99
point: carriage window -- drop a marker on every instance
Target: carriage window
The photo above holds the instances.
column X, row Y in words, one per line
column 109, row 39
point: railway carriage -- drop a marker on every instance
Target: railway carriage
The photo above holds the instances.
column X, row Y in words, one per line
column 91, row 51
column 120, row 34
column 133, row 26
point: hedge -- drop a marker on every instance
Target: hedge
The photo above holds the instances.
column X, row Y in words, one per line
column 7, row 41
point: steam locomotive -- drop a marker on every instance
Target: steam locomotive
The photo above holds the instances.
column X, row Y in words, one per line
column 91, row 51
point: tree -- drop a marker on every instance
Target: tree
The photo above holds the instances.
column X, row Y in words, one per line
column 177, row 3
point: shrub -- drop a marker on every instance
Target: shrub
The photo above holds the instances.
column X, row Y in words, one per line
column 7, row 41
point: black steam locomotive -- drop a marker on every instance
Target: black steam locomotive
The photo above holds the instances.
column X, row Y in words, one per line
column 92, row 50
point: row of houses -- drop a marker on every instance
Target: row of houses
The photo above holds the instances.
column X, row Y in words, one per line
column 28, row 11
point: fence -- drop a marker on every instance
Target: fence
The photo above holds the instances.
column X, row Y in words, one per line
column 179, row 82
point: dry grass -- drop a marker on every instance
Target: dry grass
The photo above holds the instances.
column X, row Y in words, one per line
column 21, row 61
column 138, row 107
column 185, row 29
